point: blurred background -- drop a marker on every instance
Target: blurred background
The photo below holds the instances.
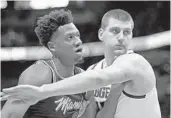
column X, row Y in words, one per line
column 18, row 19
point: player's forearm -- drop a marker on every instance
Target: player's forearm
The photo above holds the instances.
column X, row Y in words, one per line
column 88, row 80
column 12, row 115
column 13, row 110
column 91, row 109
column 15, row 113
column 79, row 83
column 110, row 105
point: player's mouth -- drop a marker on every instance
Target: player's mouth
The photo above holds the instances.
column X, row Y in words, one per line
column 119, row 47
column 79, row 50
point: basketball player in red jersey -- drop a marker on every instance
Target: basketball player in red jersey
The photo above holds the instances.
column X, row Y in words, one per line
column 57, row 32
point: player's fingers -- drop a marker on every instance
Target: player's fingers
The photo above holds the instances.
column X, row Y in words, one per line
column 5, row 97
column 14, row 94
column 10, row 90
column 18, row 98
column 2, row 93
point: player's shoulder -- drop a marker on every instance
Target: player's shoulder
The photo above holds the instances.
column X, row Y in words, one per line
column 37, row 74
column 134, row 58
column 133, row 62
column 143, row 69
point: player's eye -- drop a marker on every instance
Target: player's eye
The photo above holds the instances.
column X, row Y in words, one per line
column 70, row 37
column 115, row 30
column 127, row 32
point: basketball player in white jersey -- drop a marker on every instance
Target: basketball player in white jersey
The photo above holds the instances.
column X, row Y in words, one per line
column 139, row 96
column 106, row 97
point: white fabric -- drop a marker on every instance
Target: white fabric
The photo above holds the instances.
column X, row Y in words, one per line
column 147, row 107
column 102, row 93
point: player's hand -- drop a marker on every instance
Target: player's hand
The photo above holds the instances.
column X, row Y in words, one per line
column 23, row 93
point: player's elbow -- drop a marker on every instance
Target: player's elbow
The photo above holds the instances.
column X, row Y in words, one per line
column 147, row 79
column 150, row 81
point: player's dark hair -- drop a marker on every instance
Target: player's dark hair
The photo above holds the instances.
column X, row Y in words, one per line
column 48, row 24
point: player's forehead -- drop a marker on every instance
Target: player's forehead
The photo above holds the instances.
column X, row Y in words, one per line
column 115, row 23
column 68, row 28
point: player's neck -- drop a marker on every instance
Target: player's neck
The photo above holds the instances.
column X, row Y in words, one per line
column 62, row 69
column 109, row 58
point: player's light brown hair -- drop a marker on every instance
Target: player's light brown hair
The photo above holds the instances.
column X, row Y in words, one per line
column 118, row 14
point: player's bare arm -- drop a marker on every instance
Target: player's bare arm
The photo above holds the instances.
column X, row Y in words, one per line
column 131, row 67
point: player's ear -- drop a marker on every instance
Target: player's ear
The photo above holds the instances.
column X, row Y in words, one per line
column 100, row 34
column 51, row 46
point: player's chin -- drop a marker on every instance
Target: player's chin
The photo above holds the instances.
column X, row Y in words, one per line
column 79, row 59
column 120, row 52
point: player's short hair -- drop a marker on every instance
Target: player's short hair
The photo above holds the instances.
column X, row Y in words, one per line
column 118, row 14
column 48, row 24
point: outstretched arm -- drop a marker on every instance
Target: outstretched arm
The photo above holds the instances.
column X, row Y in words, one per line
column 128, row 67
column 125, row 68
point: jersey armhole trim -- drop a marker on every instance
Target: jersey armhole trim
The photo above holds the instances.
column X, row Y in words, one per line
column 134, row 96
column 53, row 73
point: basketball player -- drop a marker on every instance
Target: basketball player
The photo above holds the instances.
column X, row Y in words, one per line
column 57, row 32
column 120, row 66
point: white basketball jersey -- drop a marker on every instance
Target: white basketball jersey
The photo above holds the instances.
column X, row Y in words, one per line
column 130, row 106
column 102, row 93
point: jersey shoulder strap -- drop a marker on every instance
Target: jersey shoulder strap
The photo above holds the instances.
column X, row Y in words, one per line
column 47, row 63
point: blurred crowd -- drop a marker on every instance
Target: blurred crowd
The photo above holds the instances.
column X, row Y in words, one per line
column 18, row 22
